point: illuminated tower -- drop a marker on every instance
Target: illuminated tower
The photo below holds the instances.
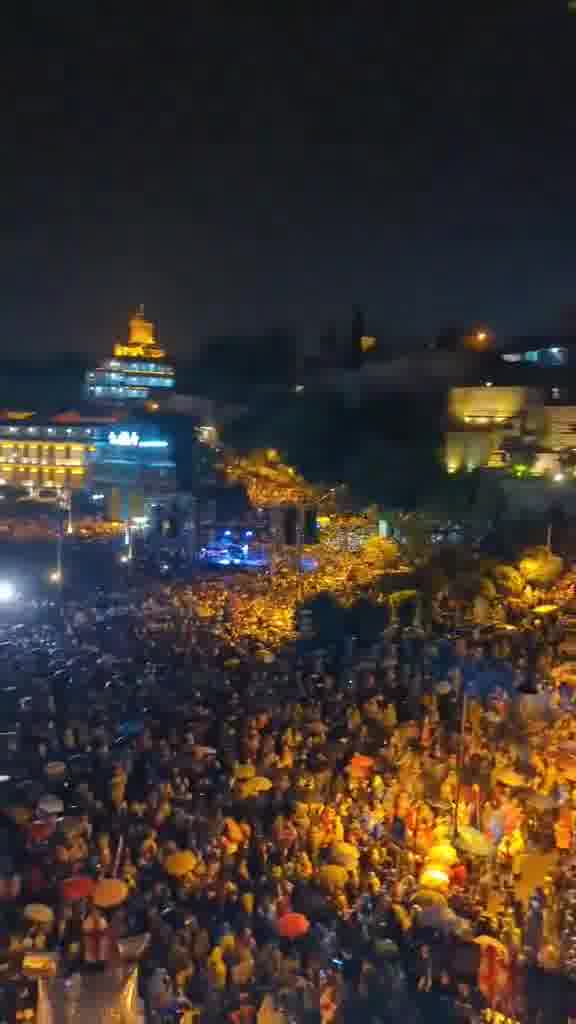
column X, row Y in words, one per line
column 136, row 372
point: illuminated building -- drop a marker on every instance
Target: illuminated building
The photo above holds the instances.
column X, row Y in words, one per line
column 129, row 463
column 51, row 453
column 134, row 469
column 137, row 370
column 483, row 420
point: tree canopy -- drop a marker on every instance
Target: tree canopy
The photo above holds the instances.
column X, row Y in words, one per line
column 386, row 452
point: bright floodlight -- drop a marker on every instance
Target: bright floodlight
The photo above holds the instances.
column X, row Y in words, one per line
column 55, row 576
column 7, row 591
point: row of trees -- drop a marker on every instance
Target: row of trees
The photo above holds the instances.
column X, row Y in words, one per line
column 384, row 455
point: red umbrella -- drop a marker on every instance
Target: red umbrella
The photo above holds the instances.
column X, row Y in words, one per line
column 39, row 831
column 74, row 889
column 292, row 926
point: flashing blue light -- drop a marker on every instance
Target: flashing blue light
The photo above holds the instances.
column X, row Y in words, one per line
column 153, row 444
column 249, row 533
column 227, row 533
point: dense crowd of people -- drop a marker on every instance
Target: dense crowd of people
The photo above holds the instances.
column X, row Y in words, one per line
column 386, row 833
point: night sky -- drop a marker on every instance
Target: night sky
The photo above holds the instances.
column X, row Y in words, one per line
column 244, row 174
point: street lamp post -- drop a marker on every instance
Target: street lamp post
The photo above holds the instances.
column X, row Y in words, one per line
column 69, row 524
column 56, row 576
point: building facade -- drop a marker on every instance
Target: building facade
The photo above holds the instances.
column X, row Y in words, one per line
column 483, row 423
column 133, row 470
column 136, row 372
column 35, row 455
column 129, row 463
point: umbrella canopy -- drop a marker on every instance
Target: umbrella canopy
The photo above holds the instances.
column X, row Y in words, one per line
column 540, row 801
column 565, row 673
column 332, row 876
column 110, row 892
column 50, row 805
column 444, row 854
column 346, row 855
column 77, row 888
column 434, row 876
column 567, row 764
column 473, row 841
column 292, row 926
column 39, row 831
column 567, row 746
column 39, row 913
column 429, row 897
column 179, row 864
column 361, row 766
column 487, row 941
column 253, row 787
column 510, row 778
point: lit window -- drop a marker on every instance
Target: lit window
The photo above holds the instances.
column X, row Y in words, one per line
column 555, row 393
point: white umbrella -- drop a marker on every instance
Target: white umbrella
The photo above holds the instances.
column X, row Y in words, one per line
column 50, row 805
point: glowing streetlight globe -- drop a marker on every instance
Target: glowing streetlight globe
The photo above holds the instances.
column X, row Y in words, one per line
column 7, row 591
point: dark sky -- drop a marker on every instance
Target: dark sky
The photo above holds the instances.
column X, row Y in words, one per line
column 242, row 174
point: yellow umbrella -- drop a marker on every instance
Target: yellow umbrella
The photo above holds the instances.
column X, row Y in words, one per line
column 332, row 876
column 253, row 787
column 473, row 841
column 429, row 897
column 545, row 609
column 565, row 673
column 179, row 864
column 567, row 678
column 110, row 892
column 434, row 876
column 487, row 941
column 39, row 913
column 510, row 778
column 243, row 771
column 442, row 854
column 346, row 855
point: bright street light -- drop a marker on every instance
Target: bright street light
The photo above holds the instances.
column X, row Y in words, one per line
column 56, row 576
column 7, row 591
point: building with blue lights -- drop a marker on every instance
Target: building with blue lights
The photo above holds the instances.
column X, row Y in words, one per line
column 137, row 371
column 129, row 463
column 133, row 467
